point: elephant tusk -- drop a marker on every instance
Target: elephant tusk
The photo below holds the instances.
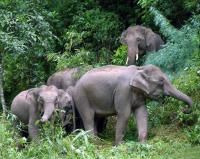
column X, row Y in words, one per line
column 126, row 60
column 136, row 57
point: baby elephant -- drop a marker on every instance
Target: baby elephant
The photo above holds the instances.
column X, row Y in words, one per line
column 30, row 104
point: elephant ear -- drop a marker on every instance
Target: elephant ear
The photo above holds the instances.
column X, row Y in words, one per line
column 33, row 93
column 123, row 37
column 140, row 81
column 150, row 40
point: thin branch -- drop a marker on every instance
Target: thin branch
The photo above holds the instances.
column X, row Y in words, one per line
column 3, row 103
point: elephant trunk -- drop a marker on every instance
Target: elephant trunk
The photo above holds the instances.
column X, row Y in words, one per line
column 173, row 92
column 132, row 55
column 48, row 111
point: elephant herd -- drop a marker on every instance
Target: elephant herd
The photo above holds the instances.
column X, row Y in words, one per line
column 101, row 92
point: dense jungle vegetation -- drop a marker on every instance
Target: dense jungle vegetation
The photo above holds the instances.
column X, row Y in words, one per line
column 40, row 37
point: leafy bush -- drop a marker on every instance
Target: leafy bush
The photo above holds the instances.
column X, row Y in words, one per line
column 26, row 38
column 66, row 60
column 193, row 133
column 101, row 29
column 120, row 56
column 179, row 47
column 171, row 9
column 89, row 39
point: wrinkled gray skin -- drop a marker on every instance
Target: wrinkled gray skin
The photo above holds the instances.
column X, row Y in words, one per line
column 121, row 90
column 65, row 80
column 30, row 104
column 140, row 40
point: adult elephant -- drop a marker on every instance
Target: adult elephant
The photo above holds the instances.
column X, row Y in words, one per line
column 30, row 104
column 66, row 79
column 120, row 90
column 140, row 39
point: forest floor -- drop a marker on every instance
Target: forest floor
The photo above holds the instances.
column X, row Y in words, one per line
column 164, row 142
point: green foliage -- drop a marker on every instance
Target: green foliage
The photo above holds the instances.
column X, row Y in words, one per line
column 189, row 83
column 169, row 142
column 87, row 33
column 89, row 39
column 193, row 133
column 179, row 47
column 64, row 12
column 171, row 9
column 66, row 60
column 25, row 38
column 120, row 56
column 102, row 27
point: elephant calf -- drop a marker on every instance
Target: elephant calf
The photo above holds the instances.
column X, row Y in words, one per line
column 66, row 79
column 30, row 104
column 140, row 39
column 121, row 90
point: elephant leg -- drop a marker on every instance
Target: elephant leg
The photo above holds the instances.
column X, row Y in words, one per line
column 141, row 119
column 79, row 121
column 88, row 120
column 33, row 129
column 86, row 112
column 123, row 110
column 122, row 121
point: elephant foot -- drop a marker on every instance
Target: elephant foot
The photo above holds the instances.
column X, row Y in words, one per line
column 143, row 137
column 117, row 143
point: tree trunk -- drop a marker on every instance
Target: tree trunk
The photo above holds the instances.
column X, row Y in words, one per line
column 2, row 91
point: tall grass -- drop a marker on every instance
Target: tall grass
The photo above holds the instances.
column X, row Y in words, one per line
column 169, row 142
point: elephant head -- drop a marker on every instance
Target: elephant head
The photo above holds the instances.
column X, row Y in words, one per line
column 139, row 40
column 49, row 98
column 153, row 83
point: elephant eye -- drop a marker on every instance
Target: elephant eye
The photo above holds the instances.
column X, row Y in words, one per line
column 138, row 39
column 161, row 83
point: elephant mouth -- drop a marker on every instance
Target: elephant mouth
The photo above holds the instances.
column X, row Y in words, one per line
column 156, row 97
